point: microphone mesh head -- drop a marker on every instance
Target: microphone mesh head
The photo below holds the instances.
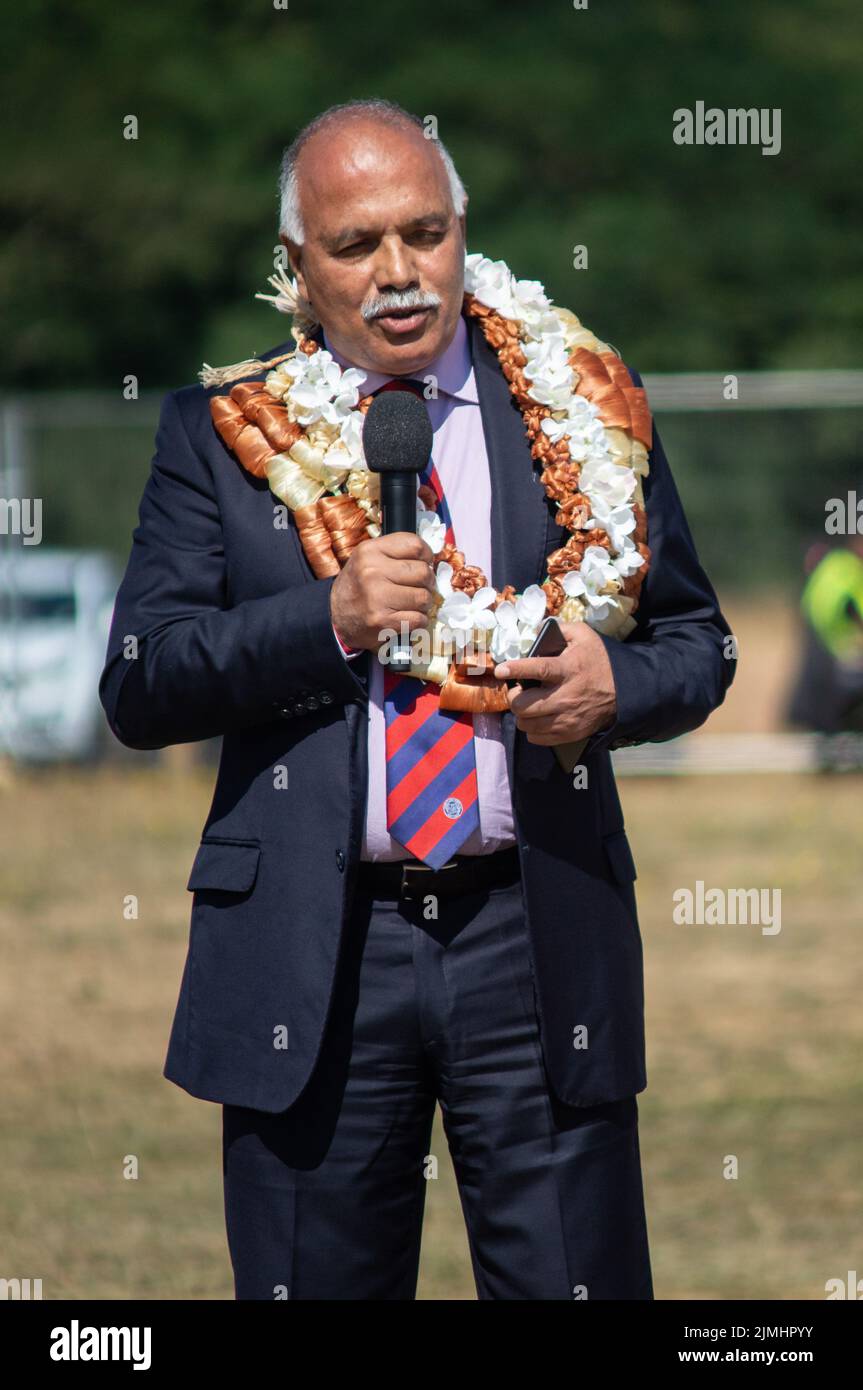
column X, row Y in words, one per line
column 397, row 433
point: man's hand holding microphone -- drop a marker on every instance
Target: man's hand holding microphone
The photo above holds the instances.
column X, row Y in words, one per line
column 388, row 584
column 385, row 583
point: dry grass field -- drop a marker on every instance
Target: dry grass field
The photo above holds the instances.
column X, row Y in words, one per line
column 754, row 1041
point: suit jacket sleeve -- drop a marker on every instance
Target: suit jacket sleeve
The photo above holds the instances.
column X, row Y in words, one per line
column 203, row 668
column 676, row 666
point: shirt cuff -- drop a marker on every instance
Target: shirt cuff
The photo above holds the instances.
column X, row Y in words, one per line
column 347, row 652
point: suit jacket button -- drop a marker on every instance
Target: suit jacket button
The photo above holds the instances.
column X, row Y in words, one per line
column 340, row 861
column 326, row 697
column 312, row 704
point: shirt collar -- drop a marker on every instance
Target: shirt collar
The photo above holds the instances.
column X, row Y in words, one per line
column 453, row 368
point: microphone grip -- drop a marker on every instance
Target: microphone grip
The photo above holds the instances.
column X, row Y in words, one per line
column 399, row 513
column 398, row 502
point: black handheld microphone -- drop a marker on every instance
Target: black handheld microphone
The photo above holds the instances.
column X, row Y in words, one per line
column 397, row 443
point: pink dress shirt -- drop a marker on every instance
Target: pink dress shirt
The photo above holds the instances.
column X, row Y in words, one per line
column 462, row 463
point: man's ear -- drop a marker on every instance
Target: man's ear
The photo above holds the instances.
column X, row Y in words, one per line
column 295, row 260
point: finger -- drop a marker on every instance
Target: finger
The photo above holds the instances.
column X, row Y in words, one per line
column 399, row 597
column 415, row 573
column 404, row 545
column 539, row 726
column 535, row 704
column 531, row 668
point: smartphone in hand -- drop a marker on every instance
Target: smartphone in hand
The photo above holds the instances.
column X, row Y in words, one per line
column 550, row 641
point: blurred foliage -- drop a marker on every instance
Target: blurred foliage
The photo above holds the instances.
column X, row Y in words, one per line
column 143, row 256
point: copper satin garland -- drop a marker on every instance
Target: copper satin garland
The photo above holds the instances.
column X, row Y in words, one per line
column 270, row 416
column 256, row 428
column 316, row 541
column 346, row 522
column 253, row 425
column 621, row 405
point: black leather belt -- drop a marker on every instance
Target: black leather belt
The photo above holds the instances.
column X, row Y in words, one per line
column 412, row 881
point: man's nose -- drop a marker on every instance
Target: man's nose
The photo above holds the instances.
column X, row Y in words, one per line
column 394, row 270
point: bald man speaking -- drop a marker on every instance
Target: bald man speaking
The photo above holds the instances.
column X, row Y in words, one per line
column 406, row 892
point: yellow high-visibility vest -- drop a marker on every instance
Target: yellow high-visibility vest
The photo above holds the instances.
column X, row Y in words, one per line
column 832, row 601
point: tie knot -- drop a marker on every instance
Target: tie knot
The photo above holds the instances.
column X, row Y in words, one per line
column 402, row 383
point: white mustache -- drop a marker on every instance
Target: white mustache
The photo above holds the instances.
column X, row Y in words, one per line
column 410, row 299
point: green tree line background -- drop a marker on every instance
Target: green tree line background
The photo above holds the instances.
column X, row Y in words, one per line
column 142, row 256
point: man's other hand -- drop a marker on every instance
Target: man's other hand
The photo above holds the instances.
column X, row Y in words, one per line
column 577, row 696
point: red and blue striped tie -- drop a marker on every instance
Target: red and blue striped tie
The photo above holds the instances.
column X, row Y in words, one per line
column 432, row 804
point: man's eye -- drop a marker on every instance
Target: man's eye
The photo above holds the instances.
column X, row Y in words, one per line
column 355, row 248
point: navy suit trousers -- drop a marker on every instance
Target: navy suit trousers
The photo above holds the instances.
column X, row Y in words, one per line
column 325, row 1200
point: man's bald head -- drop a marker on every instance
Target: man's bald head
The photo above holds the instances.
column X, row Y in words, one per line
column 338, row 119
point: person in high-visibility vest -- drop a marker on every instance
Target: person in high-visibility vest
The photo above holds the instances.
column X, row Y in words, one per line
column 828, row 693
column 833, row 603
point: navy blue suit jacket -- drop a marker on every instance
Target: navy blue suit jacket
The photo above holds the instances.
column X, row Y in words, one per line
column 234, row 639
